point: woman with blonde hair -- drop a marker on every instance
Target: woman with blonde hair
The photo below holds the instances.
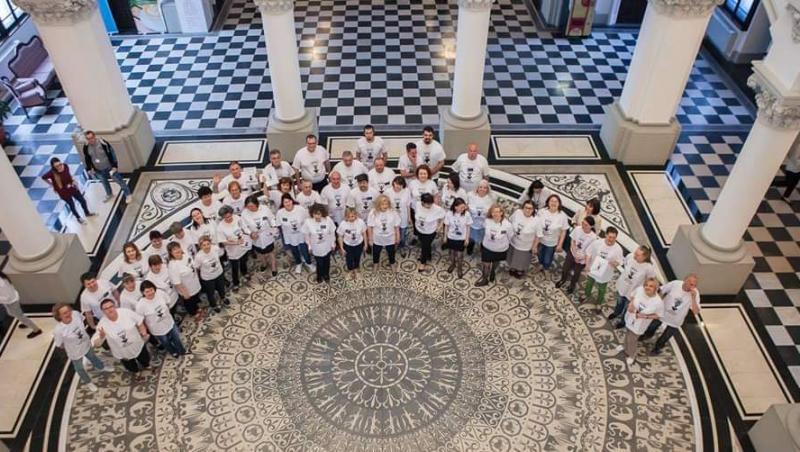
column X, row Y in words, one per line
column 645, row 306
column 495, row 244
column 384, row 229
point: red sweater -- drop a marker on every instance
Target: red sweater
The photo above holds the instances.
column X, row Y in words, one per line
column 66, row 188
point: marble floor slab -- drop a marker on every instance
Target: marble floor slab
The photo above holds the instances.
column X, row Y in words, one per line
column 210, row 152
column 92, row 232
column 545, row 147
column 663, row 202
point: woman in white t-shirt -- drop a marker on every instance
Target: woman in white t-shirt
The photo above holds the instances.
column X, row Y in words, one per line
column 159, row 275
column 184, row 278
column 212, row 278
column 235, row 198
column 125, row 333
column 263, row 230
column 158, row 320
column 285, row 186
column 553, row 225
column 420, row 185
column 591, row 209
column 383, row 224
column 496, row 241
column 70, row 334
column 133, row 263
column 202, row 226
column 635, row 269
column 452, row 190
column 130, row 294
column 400, row 198
column 234, row 235
column 427, row 222
column 581, row 238
column 320, row 233
column 352, row 234
column 521, row 249
column 478, row 203
column 457, row 223
column 645, row 306
column 291, row 218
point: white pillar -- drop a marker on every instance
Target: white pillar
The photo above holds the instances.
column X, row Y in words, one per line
column 81, row 52
column 20, row 221
column 289, row 120
column 640, row 128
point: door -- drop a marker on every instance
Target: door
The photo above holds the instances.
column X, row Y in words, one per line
column 631, row 12
column 121, row 10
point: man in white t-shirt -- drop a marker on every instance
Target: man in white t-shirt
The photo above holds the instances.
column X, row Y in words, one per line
column 362, row 197
column 680, row 296
column 125, row 333
column 370, row 148
column 430, row 152
column 471, row 168
column 349, row 169
column 94, row 292
column 407, row 164
column 276, row 169
column 313, row 163
column 602, row 258
column 334, row 195
column 247, row 178
column 381, row 177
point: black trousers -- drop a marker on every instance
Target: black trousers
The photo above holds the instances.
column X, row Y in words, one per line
column 238, row 266
column 214, row 285
column 570, row 266
column 323, row 267
column 425, row 247
column 82, row 201
column 376, row 253
column 318, row 186
column 139, row 363
column 191, row 303
column 665, row 337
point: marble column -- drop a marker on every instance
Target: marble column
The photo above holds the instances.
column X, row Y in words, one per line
column 465, row 121
column 640, row 128
column 289, row 121
column 76, row 40
column 44, row 266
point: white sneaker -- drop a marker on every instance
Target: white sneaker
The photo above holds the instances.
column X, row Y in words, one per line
column 298, row 268
column 86, row 363
column 128, row 199
column 311, row 267
column 92, row 387
column 619, row 349
column 630, row 361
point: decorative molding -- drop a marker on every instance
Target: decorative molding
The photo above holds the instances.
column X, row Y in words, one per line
column 685, row 8
column 57, row 11
column 773, row 107
column 274, row 6
column 794, row 16
column 476, row 5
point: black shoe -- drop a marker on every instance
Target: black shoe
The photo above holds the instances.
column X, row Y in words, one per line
column 612, row 316
column 451, row 268
column 656, row 352
column 33, row 334
column 619, row 325
column 226, row 302
column 560, row 283
column 217, row 309
column 176, row 355
column 645, row 337
column 274, row 274
column 22, row 326
column 482, row 282
column 235, row 288
column 263, row 268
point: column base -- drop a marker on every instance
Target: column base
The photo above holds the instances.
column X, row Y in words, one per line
column 288, row 137
column 457, row 133
column 53, row 277
column 777, row 429
column 719, row 272
column 632, row 143
column 133, row 142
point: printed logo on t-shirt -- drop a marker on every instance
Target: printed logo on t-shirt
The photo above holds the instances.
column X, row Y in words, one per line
column 78, row 332
column 470, row 173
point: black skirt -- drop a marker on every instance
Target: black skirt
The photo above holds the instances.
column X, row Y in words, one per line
column 455, row 245
column 492, row 256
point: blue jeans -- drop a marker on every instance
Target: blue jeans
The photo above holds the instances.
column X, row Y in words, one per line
column 403, row 232
column 172, row 341
column 105, row 175
column 476, row 235
column 77, row 364
column 619, row 309
column 300, row 253
column 546, row 254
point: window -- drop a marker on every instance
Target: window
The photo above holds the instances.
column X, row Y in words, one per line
column 10, row 17
column 740, row 10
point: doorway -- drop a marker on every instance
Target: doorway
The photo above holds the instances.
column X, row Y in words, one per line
column 631, row 12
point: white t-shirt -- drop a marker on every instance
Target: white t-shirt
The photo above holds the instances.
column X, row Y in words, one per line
column 349, row 173
column 471, row 172
column 311, row 164
column 430, row 154
column 457, row 225
column 382, row 182
column 550, row 226
column 643, row 305
column 292, row 225
column 427, row 219
column 383, row 226
column 163, row 283
column 204, row 230
column 603, row 256
column 237, row 204
column 336, row 200
column 137, row 269
column 271, row 175
column 539, row 200
column 479, row 208
column 182, row 272
column 401, row 200
column 263, row 223
column 404, row 163
column 448, row 196
column 90, row 301
column 633, row 274
column 362, row 201
column 677, row 303
column 352, row 233
column 73, row 337
column 582, row 242
column 321, row 235
column 162, row 252
column 369, row 151
column 248, row 181
column 156, row 313
column 128, row 299
column 210, row 211
column 275, row 198
column 209, row 264
column 233, row 231
column 309, row 200
column 188, row 242
column 123, row 335
column 525, row 229
column 497, row 236
column 417, row 189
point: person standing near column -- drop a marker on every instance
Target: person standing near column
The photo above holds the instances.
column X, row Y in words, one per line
column 9, row 298
column 400, row 198
column 496, row 241
column 64, row 185
column 525, row 227
column 207, row 204
column 349, row 169
column 679, row 297
column 456, row 231
column 71, row 335
column 246, row 178
column 276, row 170
column 792, row 170
column 125, row 333
column 430, row 152
column 381, row 177
column 370, row 148
column 384, row 230
column 645, row 307
column 471, row 168
column 100, row 161
column 427, row 222
column 603, row 257
column 478, row 203
column 582, row 237
column 234, row 235
column 313, row 163
column 553, row 224
column 307, row 196
column 291, row 218
column 263, row 230
column 362, row 197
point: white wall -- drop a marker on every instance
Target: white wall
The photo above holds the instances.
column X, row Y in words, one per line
column 605, row 12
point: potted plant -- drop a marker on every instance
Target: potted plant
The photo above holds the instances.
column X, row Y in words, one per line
column 5, row 110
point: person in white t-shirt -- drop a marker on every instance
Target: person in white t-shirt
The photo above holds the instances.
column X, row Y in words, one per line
column 496, row 241
column 407, row 163
column 430, row 152
column 635, row 269
column 352, row 232
column 313, row 163
column 602, row 258
column 427, row 222
column 9, row 300
column 384, row 230
column 184, row 278
column 525, row 227
column 478, row 202
column 471, row 168
column 421, row 184
column 235, row 198
column 400, row 198
column 553, row 224
column 291, row 218
column 320, row 234
column 451, row 190
column 263, row 229
column 362, row 197
column 680, row 296
column 645, row 307
column 182, row 236
column 153, row 306
column 276, row 170
column 94, row 291
column 234, row 235
column 71, row 335
column 212, row 278
column 349, row 169
column 126, row 334
column 201, row 226
column 285, row 186
column 130, row 294
column 581, row 238
column 157, row 246
column 246, row 178
column 381, row 177
column 537, row 193
column 159, row 276
column 334, row 195
column 370, row 148
column 207, row 204
column 457, row 222
column 133, row 263
column 307, row 197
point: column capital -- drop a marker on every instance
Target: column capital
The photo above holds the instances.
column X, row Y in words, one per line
column 684, row 8
column 57, row 11
column 794, row 16
column 778, row 110
column 476, row 5
column 274, row 6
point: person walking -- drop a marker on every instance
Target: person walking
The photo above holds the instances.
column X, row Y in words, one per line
column 100, row 161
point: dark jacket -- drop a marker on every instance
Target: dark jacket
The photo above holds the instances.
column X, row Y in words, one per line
column 110, row 154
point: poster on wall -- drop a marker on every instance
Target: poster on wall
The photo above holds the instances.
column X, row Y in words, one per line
column 147, row 16
column 580, row 19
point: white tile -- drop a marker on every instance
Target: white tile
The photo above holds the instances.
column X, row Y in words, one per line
column 545, row 147
column 779, row 335
column 202, row 152
column 663, row 203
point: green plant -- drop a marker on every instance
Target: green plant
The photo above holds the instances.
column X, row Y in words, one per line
column 5, row 110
